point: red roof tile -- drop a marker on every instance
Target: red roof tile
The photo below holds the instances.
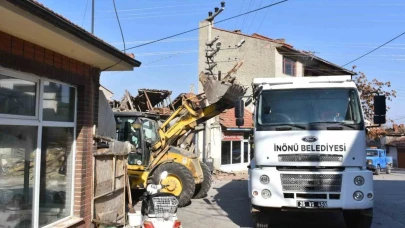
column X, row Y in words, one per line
column 227, row 119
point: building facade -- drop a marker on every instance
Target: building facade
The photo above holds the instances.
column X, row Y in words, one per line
column 49, row 89
column 260, row 56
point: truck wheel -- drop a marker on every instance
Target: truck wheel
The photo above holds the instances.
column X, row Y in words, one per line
column 358, row 219
column 388, row 169
column 202, row 189
column 260, row 219
column 378, row 170
column 180, row 181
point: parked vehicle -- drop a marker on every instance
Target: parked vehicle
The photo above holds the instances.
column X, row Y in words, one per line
column 309, row 138
column 377, row 159
column 159, row 208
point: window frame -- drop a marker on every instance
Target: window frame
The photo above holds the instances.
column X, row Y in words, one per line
column 30, row 78
column 294, row 66
column 242, row 142
column 37, row 120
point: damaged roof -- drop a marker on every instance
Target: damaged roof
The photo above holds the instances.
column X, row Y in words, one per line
column 155, row 96
column 399, row 142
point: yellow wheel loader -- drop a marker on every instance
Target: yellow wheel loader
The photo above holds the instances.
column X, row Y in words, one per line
column 169, row 146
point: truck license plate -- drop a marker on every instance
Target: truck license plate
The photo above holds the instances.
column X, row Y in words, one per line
column 312, row 204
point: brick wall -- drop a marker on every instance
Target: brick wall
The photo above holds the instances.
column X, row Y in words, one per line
column 27, row 57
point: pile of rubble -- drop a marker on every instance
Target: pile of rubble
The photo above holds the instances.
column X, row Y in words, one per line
column 220, row 175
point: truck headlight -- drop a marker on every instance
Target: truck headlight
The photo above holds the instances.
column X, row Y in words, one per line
column 264, row 179
column 266, row 193
column 369, row 162
column 358, row 196
column 359, row 181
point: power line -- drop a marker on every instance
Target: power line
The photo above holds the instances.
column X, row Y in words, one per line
column 169, row 40
column 119, row 24
column 142, row 9
column 260, row 25
column 158, row 60
column 191, row 30
column 246, row 16
column 122, row 35
column 85, row 11
column 254, row 17
column 375, row 48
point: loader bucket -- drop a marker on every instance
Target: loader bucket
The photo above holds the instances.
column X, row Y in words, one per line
column 221, row 91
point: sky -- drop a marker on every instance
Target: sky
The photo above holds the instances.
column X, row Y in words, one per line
column 336, row 30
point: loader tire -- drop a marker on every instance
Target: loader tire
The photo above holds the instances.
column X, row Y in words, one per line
column 202, row 189
column 178, row 176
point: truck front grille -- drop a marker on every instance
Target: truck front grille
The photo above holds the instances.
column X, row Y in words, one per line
column 310, row 158
column 311, row 182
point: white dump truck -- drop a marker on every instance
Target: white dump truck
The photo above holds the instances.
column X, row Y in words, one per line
column 309, row 148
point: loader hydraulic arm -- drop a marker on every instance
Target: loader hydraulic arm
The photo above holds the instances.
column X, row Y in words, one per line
column 220, row 94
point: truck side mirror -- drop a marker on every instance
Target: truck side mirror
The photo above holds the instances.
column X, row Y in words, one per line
column 239, row 112
column 240, row 122
column 380, row 109
column 239, row 108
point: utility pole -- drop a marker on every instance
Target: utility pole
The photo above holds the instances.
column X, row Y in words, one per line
column 92, row 17
column 210, row 52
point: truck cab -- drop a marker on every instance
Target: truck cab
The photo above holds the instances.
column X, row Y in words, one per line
column 377, row 159
column 309, row 139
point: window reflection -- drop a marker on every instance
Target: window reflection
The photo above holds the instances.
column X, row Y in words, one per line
column 17, row 96
column 17, row 155
column 236, row 152
column 59, row 102
column 56, row 174
column 226, row 153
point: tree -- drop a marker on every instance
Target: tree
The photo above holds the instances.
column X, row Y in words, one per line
column 366, row 89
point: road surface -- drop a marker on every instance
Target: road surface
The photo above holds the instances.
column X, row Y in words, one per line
column 227, row 205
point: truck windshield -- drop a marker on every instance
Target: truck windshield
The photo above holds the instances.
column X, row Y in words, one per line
column 372, row 153
column 304, row 108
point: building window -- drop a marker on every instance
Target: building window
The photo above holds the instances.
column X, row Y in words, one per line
column 288, row 66
column 232, row 152
column 37, row 138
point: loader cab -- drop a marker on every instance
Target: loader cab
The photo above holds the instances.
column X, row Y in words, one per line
column 141, row 131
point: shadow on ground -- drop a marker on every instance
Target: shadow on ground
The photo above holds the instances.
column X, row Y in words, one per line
column 233, row 199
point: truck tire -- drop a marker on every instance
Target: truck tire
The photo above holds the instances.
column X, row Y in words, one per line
column 177, row 174
column 202, row 189
column 358, row 219
column 261, row 219
column 378, row 170
column 388, row 169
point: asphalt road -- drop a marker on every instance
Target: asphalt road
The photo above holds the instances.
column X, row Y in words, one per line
column 227, row 205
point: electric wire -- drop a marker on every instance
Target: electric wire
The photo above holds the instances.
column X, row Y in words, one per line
column 191, row 30
column 260, row 25
column 375, row 48
column 122, row 36
column 85, row 12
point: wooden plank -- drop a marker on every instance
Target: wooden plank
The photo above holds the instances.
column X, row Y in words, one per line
column 98, row 221
column 113, row 174
column 129, row 100
column 148, row 103
column 108, row 216
column 108, row 193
